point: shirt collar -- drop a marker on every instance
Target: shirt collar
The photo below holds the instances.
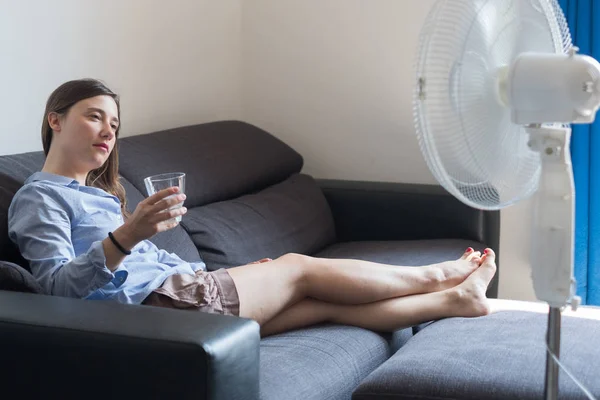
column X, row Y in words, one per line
column 69, row 182
column 47, row 176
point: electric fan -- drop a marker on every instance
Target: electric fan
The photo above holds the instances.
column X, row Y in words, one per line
column 497, row 83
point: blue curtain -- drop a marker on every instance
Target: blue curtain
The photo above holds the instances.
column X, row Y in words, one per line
column 585, row 147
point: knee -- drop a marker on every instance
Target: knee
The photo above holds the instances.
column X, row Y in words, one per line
column 302, row 264
column 295, row 258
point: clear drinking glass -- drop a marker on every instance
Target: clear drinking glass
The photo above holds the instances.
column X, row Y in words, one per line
column 159, row 182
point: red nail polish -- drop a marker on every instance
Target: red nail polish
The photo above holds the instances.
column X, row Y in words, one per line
column 469, row 249
column 487, row 251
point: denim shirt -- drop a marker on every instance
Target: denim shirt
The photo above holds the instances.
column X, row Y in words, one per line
column 59, row 225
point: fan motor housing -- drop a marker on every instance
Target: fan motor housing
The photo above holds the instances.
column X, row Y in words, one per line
column 546, row 88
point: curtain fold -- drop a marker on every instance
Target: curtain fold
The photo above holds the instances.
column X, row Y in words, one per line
column 585, row 144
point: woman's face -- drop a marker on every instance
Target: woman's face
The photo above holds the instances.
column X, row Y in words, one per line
column 86, row 133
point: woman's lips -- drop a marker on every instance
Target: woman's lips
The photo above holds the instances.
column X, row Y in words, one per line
column 102, row 146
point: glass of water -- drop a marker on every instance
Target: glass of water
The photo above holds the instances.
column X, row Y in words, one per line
column 156, row 183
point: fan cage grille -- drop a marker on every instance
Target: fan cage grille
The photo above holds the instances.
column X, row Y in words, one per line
column 464, row 132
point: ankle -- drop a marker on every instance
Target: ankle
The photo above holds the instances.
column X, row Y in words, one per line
column 466, row 302
column 434, row 278
column 458, row 296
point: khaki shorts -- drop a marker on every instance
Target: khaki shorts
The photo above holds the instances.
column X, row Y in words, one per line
column 213, row 292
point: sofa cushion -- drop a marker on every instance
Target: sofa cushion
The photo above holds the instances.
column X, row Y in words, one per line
column 500, row 356
column 17, row 279
column 222, row 160
column 292, row 216
column 320, row 362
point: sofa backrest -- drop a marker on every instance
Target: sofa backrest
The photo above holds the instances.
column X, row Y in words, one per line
column 222, row 160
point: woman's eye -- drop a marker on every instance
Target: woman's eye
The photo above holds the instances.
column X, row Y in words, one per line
column 114, row 127
column 95, row 116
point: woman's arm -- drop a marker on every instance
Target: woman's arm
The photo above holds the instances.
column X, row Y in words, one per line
column 41, row 228
column 114, row 256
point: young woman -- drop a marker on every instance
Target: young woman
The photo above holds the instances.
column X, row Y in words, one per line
column 71, row 223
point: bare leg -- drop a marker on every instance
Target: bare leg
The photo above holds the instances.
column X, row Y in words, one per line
column 465, row 300
column 268, row 288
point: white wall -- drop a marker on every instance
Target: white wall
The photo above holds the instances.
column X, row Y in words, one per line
column 173, row 62
column 333, row 78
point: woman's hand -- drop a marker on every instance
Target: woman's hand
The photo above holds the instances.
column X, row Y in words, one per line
column 152, row 215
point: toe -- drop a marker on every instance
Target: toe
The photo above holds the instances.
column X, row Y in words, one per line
column 489, row 257
column 467, row 253
column 488, row 263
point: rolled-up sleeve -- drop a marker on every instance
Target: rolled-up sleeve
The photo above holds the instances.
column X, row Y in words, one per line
column 41, row 229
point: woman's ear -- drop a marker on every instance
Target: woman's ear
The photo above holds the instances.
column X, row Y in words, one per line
column 54, row 121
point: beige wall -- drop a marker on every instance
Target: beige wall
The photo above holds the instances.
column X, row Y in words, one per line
column 173, row 62
column 333, row 78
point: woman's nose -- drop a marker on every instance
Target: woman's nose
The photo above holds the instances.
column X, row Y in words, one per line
column 107, row 131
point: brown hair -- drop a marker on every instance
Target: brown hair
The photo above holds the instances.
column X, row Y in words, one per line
column 60, row 101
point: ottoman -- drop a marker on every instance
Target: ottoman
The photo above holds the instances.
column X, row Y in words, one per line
column 499, row 356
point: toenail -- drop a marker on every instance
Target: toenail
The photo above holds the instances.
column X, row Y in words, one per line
column 487, row 251
column 469, row 249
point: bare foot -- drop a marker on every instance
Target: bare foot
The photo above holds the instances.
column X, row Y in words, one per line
column 452, row 273
column 469, row 298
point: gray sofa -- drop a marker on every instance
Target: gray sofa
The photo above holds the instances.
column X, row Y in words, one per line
column 247, row 199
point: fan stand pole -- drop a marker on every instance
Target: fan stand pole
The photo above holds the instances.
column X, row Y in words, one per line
column 552, row 238
column 553, row 341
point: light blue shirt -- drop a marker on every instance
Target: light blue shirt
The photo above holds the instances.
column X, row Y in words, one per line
column 59, row 226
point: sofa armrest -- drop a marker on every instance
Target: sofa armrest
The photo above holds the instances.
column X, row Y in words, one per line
column 76, row 348
column 398, row 211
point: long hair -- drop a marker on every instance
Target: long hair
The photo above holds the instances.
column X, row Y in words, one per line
column 60, row 101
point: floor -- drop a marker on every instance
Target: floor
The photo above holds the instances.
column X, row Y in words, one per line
column 590, row 312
